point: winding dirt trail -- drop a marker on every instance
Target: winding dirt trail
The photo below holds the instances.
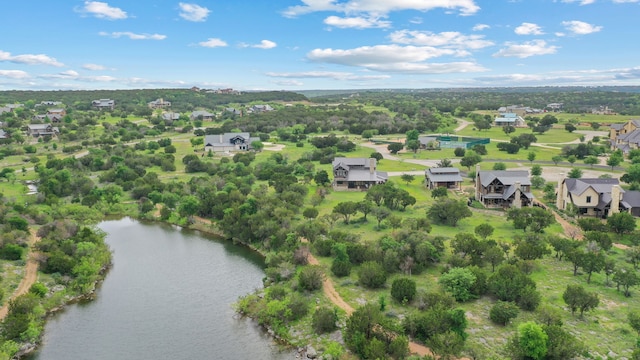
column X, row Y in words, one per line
column 30, row 275
column 331, row 293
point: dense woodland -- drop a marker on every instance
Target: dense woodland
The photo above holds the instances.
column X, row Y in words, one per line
column 421, row 259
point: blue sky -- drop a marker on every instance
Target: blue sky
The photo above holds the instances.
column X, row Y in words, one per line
column 317, row 44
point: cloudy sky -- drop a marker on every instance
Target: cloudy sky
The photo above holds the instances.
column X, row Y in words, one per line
column 317, row 44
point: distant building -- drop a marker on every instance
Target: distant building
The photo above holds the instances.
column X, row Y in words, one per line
column 201, row 114
column 519, row 110
column 356, row 174
column 104, row 104
column 429, row 142
column 512, row 119
column 625, row 136
column 159, row 104
column 228, row 142
column 447, row 177
column 170, row 116
column 555, row 107
column 260, row 108
column 603, row 110
column 49, row 103
column 37, row 130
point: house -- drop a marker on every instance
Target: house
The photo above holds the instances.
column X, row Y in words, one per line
column 625, row 136
column 447, row 177
column 37, row 130
column 49, row 103
column 229, row 142
column 429, row 142
column 512, row 119
column 53, row 118
column 519, row 110
column 603, row 110
column 201, row 115
column 58, row 112
column 260, row 108
column 234, row 111
column 159, row 104
column 555, row 107
column 597, row 197
column 504, row 188
column 356, row 174
column 3, row 135
column 170, row 116
column 104, row 104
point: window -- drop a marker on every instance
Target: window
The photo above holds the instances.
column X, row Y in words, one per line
column 588, row 199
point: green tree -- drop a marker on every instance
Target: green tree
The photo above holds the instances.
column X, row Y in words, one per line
column 403, row 289
column 592, row 261
column 530, row 218
column 310, row 277
column 531, row 156
column 447, row 345
column 321, row 178
column 614, row 160
column 556, row 159
column 380, row 213
column 508, row 129
column 570, row 128
column 188, row 206
column 458, row 282
column 575, row 173
column 408, row 178
column 499, row 166
column 439, row 192
column 413, row 145
column 536, row 170
column 591, row 160
column 531, row 341
column 561, row 344
column 395, row 147
column 626, row 277
column 621, row 223
column 324, row 320
column 346, row 209
column 634, row 320
column 470, row 158
column 577, row 298
column 502, row 312
column 372, row 275
column 448, row 212
column 484, row 230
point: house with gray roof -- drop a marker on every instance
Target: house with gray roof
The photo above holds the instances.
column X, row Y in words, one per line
column 37, row 130
column 159, row 104
column 201, row 114
column 503, row 188
column 260, row 108
column 625, row 136
column 356, row 174
column 446, row 177
column 512, row 119
column 170, row 116
column 234, row 111
column 3, row 135
column 229, row 142
column 429, row 142
column 597, row 197
column 104, row 104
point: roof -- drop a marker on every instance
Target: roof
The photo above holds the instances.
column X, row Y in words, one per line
column 631, row 199
column 3, row 135
column 103, row 102
column 617, row 126
column 444, row 174
column 601, row 186
column 425, row 140
column 632, row 137
column 506, row 177
column 366, row 175
column 348, row 162
column 171, row 116
column 202, row 113
column 38, row 126
column 224, row 139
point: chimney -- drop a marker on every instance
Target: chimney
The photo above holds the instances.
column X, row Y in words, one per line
column 616, row 196
column 220, row 138
column 478, row 184
column 517, row 196
column 560, row 193
column 372, row 165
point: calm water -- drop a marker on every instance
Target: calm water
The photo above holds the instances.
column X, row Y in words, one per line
column 167, row 296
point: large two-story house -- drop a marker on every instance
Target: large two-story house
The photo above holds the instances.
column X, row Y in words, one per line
column 37, row 130
column 503, row 188
column 159, row 104
column 356, row 173
column 625, row 136
column 447, row 177
column 597, row 197
column 104, row 104
column 229, row 142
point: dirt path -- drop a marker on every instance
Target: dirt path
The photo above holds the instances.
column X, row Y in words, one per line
column 30, row 275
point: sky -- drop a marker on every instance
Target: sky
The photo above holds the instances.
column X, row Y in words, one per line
column 317, row 44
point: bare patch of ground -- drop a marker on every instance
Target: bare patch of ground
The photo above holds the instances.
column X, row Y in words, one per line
column 30, row 275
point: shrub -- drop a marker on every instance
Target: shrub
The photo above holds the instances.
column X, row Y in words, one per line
column 458, row 282
column 502, row 312
column 39, row 289
column 403, row 289
column 459, row 152
column 298, row 305
column 324, row 320
column 341, row 268
column 310, row 278
column 372, row 275
column 11, row 252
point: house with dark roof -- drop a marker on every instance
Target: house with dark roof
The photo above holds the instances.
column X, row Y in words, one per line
column 447, row 177
column 201, row 115
column 626, row 136
column 503, row 188
column 159, row 104
column 170, row 116
column 597, row 197
column 228, row 142
column 260, row 108
column 356, row 173
column 37, row 130
column 234, row 111
column 104, row 104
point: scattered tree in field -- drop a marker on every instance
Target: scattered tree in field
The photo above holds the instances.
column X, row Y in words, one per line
column 591, row 160
column 502, row 312
column 459, row 152
column 626, row 277
column 380, row 213
column 530, row 342
column 346, row 209
column 371, row 275
column 508, row 129
column 403, row 289
column 615, row 159
column 577, row 298
column 310, row 277
column 444, row 163
column 458, row 282
column 310, row 213
column 536, row 170
column 413, row 145
column 324, row 320
column 484, row 230
column 321, row 178
column 376, row 155
column 448, row 212
column 575, row 173
column 531, row 156
column 572, row 159
column 470, row 158
column 570, row 128
column 621, row 223
column 395, row 147
column 530, row 218
column 408, row 178
column 499, row 166
column 556, row 159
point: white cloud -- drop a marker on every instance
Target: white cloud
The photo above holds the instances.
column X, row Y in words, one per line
column 380, row 7
column 93, row 67
column 528, row 29
column 133, row 36
column 335, row 75
column 193, row 12
column 527, row 49
column 289, row 83
column 394, row 58
column 448, row 39
column 582, row 2
column 102, row 10
column 580, row 27
column 30, row 59
column 480, row 27
column 212, row 43
column 264, row 44
column 68, row 74
column 624, row 1
column 14, row 74
column 416, row 20
column 356, row 22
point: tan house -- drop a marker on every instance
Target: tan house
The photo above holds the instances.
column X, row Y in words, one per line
column 625, row 136
column 356, row 174
column 447, row 177
column 229, row 142
column 597, row 197
column 159, row 104
column 504, row 188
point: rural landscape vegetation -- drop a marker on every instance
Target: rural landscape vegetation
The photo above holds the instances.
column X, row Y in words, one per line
column 396, row 270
